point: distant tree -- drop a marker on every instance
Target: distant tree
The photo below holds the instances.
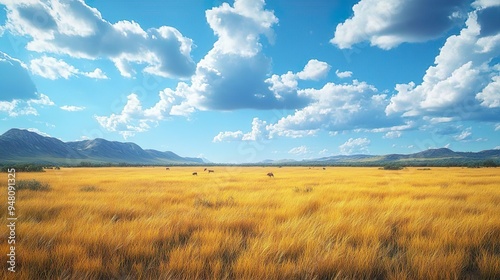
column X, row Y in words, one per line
column 490, row 163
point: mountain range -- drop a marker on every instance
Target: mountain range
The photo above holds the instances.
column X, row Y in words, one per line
column 23, row 146
column 430, row 157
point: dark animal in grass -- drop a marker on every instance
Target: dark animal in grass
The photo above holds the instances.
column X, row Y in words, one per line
column 210, row 171
column 167, row 168
column 195, row 173
column 270, row 174
column 205, row 169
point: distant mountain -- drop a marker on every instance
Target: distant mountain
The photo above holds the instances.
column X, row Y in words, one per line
column 23, row 146
column 442, row 156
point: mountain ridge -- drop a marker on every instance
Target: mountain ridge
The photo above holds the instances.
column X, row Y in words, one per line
column 24, row 146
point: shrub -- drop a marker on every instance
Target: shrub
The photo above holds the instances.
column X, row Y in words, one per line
column 205, row 202
column 90, row 189
column 32, row 185
column 393, row 167
column 24, row 168
column 305, row 189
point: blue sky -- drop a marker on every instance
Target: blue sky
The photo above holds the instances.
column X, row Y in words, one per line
column 250, row 80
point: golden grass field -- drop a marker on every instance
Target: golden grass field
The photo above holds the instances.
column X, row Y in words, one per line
column 237, row 223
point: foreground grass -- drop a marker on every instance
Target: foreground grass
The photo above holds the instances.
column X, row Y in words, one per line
column 237, row 223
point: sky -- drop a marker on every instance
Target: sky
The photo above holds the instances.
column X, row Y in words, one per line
column 250, row 80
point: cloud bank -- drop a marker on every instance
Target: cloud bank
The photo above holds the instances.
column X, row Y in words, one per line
column 73, row 28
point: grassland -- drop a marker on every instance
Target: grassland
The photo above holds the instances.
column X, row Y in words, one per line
column 237, row 223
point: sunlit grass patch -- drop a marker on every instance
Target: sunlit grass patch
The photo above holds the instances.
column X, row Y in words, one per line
column 237, row 223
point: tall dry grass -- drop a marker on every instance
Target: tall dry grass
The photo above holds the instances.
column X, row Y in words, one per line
column 237, row 223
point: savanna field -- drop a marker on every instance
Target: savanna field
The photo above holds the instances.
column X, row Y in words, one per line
column 238, row 223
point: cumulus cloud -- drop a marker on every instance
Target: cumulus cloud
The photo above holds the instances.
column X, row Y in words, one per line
column 286, row 85
column 258, row 132
column 133, row 118
column 343, row 75
column 20, row 107
column 78, row 30
column 462, row 83
column 388, row 23
column 314, row 70
column 233, row 73
column 490, row 95
column 52, row 68
column 71, row 108
column 336, row 107
column 355, row 145
column 227, row 136
column 299, row 150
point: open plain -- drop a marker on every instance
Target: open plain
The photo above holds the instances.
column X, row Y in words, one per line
column 239, row 223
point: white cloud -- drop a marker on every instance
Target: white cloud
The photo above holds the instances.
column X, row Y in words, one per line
column 259, row 132
column 464, row 135
column 343, row 75
column 440, row 119
column 228, row 136
column 497, row 127
column 19, row 107
column 72, row 108
column 355, row 145
column 485, row 3
column 52, row 68
column 336, row 107
column 43, row 100
column 392, row 134
column 460, row 78
column 314, row 70
column 299, row 150
column 286, row 85
column 133, row 118
column 78, row 30
column 96, row 74
column 239, row 27
column 388, row 23
column 490, row 95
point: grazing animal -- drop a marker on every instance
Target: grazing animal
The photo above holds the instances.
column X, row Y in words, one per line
column 167, row 168
column 195, row 173
column 270, row 174
column 205, row 169
column 210, row 171
column 324, row 168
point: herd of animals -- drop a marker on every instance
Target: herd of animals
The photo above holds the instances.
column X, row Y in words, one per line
column 270, row 174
